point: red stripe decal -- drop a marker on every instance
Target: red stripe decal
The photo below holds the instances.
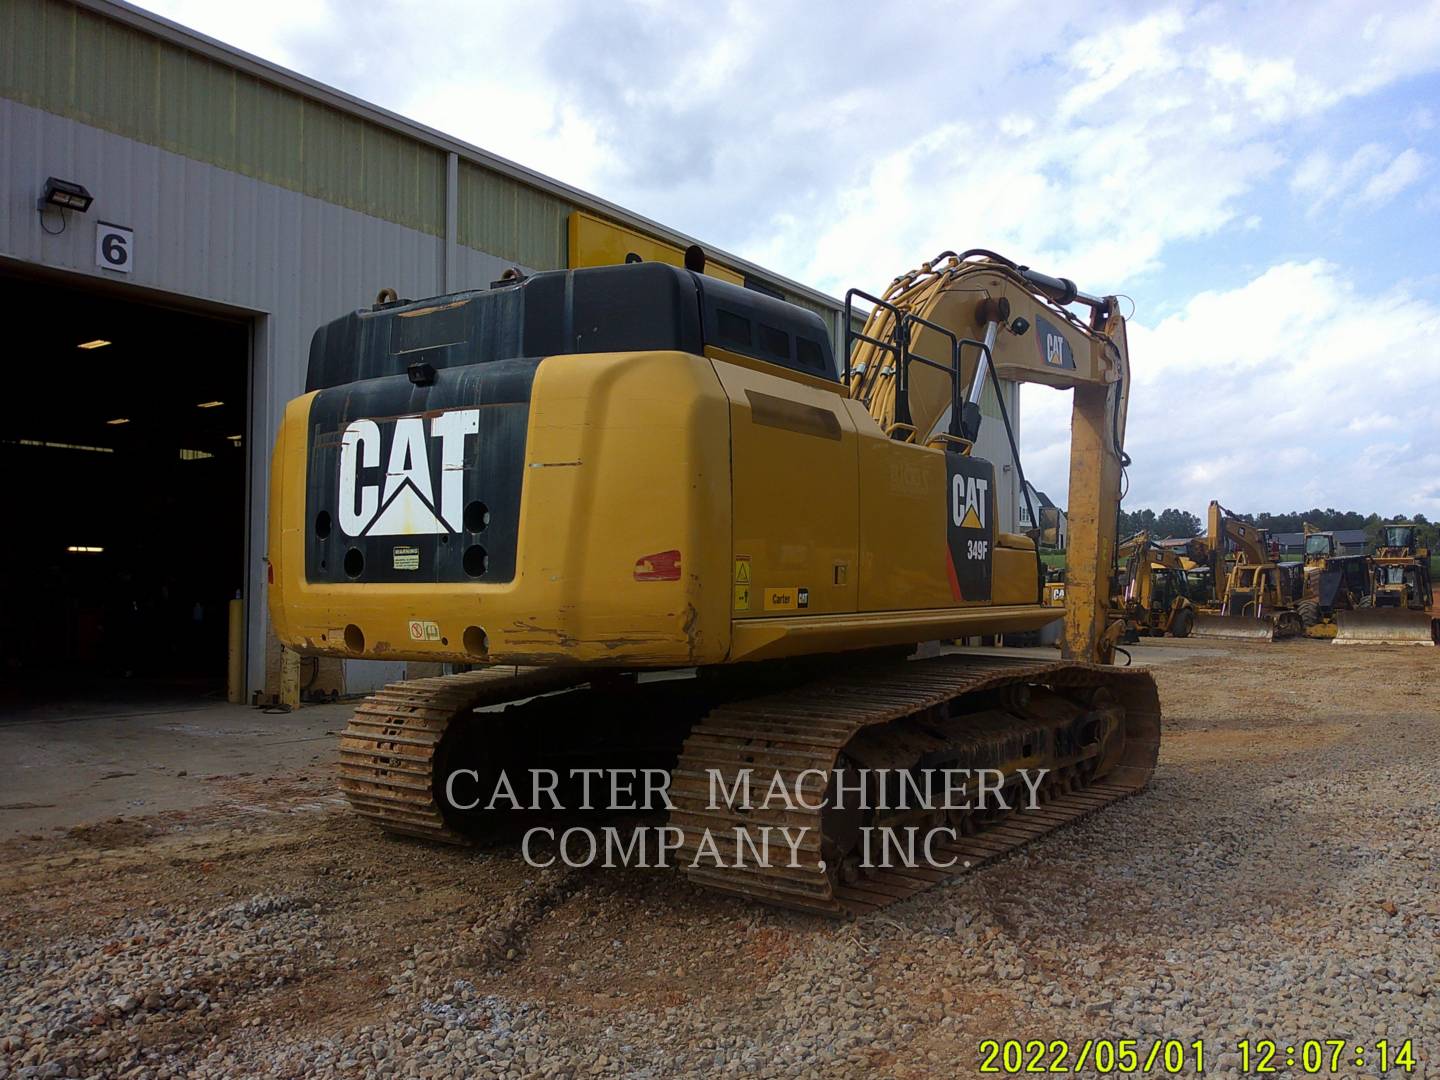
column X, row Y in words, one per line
column 954, row 581
column 662, row 566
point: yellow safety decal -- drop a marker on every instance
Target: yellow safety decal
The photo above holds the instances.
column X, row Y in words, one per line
column 742, row 569
column 742, row 597
column 424, row 630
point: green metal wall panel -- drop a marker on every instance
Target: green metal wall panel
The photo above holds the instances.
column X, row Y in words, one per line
column 71, row 62
column 510, row 220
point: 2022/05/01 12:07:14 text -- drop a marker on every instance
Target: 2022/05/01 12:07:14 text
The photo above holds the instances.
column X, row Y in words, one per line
column 1174, row 1057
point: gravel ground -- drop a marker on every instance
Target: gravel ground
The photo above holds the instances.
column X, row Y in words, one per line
column 1278, row 880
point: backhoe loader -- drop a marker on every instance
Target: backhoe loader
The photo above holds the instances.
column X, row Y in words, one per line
column 582, row 480
column 1401, row 594
column 1153, row 597
column 1254, row 595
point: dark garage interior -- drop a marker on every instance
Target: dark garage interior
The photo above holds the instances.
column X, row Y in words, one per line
column 122, row 432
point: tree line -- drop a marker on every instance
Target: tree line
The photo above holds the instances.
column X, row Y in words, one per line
column 1171, row 523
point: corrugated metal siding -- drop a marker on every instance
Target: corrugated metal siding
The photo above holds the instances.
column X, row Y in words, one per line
column 511, row 221
column 77, row 64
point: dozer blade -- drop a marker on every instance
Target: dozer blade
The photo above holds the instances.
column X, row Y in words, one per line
column 1384, row 626
column 1235, row 627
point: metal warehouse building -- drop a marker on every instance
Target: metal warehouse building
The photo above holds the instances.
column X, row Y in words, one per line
column 176, row 219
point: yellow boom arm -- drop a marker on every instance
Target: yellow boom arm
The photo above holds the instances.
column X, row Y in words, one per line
column 929, row 354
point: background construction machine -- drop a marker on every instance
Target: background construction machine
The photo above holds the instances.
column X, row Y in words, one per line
column 1332, row 583
column 1401, row 594
column 1254, row 594
column 581, row 477
column 1152, row 596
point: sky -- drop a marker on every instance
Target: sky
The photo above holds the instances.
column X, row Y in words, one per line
column 1261, row 180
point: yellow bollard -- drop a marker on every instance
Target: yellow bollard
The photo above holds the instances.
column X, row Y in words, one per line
column 235, row 669
column 289, row 678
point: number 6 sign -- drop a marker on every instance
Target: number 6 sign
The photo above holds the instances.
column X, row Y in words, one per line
column 113, row 246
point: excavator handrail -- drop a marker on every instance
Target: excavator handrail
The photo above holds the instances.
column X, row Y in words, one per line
column 900, row 349
column 852, row 335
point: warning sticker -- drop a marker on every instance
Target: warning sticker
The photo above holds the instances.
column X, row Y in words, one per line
column 424, row 630
column 406, row 558
column 742, row 597
column 742, row 569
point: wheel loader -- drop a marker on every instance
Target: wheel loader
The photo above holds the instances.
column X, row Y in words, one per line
column 1254, row 594
column 1152, row 596
column 1401, row 594
column 661, row 522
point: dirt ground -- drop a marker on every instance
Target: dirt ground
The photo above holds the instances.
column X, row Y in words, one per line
column 1277, row 880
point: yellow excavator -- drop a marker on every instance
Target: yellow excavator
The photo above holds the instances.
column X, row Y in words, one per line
column 1154, row 597
column 663, row 523
column 1401, row 594
column 1254, row 594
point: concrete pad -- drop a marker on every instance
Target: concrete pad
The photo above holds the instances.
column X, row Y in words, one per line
column 71, row 769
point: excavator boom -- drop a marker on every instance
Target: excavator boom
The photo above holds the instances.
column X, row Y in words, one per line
column 934, row 344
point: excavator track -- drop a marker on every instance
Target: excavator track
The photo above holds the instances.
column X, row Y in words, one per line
column 392, row 755
column 811, row 727
column 388, row 750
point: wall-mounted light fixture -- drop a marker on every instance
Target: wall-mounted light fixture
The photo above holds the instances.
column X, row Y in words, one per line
column 65, row 194
column 98, row 343
column 62, row 195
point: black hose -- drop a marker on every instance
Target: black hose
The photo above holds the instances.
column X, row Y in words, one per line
column 990, row 255
column 1125, row 654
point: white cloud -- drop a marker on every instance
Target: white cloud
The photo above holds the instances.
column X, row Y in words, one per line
column 1371, row 176
column 1407, row 167
column 266, row 28
column 1296, row 388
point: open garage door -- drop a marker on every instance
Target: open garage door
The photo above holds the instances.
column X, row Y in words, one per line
column 122, row 432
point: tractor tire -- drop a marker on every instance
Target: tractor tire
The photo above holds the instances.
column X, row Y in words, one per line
column 1183, row 624
column 1309, row 612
